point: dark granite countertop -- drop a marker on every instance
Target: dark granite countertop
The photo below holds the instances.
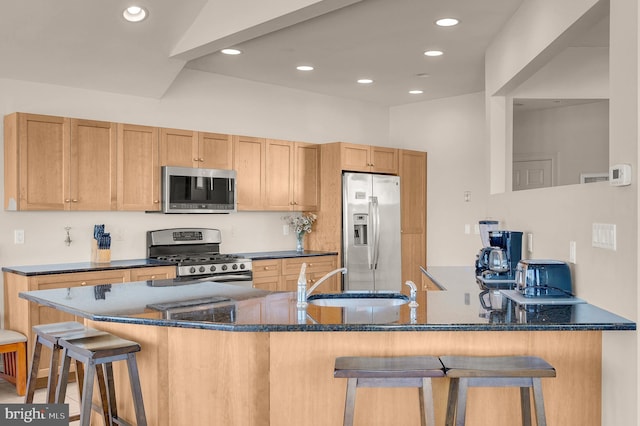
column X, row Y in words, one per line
column 455, row 309
column 65, row 268
column 285, row 254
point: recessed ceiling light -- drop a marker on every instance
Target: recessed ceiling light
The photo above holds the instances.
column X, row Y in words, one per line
column 416, row 92
column 135, row 13
column 433, row 53
column 231, row 51
column 447, row 22
column 304, row 68
column 365, row 81
column 422, row 75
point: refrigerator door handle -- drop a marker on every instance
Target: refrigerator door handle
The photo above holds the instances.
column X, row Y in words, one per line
column 376, row 230
column 371, row 231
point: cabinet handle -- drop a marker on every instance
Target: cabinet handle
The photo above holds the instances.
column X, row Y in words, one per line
column 156, row 201
column 83, row 283
column 67, row 200
column 74, row 201
column 153, row 277
column 196, row 159
column 201, row 159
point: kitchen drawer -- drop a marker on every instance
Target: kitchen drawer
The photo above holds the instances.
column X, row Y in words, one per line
column 153, row 273
column 46, row 282
column 266, row 268
column 315, row 264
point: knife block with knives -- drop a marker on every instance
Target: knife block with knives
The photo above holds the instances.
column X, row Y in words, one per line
column 100, row 245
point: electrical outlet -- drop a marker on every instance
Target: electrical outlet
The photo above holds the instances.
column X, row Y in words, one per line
column 18, row 236
column 285, row 229
column 530, row 242
column 467, row 228
column 572, row 251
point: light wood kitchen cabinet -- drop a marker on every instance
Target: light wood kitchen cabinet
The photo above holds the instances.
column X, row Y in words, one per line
column 327, row 235
column 292, row 176
column 58, row 163
column 187, row 148
column 249, row 164
column 317, row 267
column 282, row 274
column 138, row 168
column 413, row 211
column 20, row 315
column 267, row 274
column 365, row 158
column 152, row 273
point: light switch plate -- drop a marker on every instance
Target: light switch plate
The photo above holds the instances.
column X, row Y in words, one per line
column 603, row 235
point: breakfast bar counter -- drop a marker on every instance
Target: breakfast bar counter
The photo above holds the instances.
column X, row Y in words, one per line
column 259, row 360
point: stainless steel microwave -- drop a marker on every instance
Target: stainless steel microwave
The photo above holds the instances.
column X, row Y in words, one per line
column 190, row 190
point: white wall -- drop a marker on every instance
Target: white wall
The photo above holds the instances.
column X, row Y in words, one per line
column 577, row 136
column 558, row 215
column 198, row 101
column 452, row 132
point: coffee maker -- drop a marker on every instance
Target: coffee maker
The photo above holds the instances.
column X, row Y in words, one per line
column 496, row 263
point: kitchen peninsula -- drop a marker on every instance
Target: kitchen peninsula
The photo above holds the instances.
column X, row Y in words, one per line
column 267, row 363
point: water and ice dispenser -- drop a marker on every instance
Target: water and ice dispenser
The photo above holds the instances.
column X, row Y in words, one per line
column 360, row 221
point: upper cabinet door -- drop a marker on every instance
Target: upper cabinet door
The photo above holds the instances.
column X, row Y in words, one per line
column 36, row 162
column 178, row 148
column 249, row 164
column 215, row 151
column 306, row 177
column 355, row 157
column 278, row 175
column 93, row 165
column 138, row 168
column 384, row 160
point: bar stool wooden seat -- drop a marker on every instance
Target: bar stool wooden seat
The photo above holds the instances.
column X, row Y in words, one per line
column 410, row 371
column 96, row 353
column 14, row 344
column 49, row 335
column 524, row 372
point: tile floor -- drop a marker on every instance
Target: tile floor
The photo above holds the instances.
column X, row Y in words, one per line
column 8, row 395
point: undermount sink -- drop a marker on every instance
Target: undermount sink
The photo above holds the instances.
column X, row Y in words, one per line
column 353, row 300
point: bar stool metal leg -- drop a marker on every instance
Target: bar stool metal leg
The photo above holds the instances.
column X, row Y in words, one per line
column 33, row 374
column 136, row 390
column 350, row 402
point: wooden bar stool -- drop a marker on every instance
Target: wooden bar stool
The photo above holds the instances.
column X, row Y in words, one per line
column 505, row 371
column 101, row 350
column 49, row 335
column 14, row 345
column 373, row 372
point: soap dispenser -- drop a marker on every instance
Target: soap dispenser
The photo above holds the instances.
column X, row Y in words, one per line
column 302, row 287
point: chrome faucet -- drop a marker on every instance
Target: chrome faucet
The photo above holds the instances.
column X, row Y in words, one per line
column 303, row 293
column 414, row 291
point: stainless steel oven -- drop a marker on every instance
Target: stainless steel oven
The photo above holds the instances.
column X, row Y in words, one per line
column 196, row 254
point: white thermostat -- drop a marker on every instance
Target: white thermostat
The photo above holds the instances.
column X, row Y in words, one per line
column 620, row 175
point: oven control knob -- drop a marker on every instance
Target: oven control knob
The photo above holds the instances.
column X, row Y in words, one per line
column 192, row 269
column 213, row 268
column 242, row 266
column 234, row 267
column 202, row 269
column 224, row 267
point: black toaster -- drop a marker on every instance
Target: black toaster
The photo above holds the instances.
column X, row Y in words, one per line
column 544, row 278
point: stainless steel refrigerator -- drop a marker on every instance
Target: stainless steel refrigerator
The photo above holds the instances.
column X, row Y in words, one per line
column 371, row 232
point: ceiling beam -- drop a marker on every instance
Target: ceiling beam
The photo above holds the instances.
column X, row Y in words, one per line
column 226, row 23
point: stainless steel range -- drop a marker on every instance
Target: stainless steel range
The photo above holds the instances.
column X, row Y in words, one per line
column 196, row 253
